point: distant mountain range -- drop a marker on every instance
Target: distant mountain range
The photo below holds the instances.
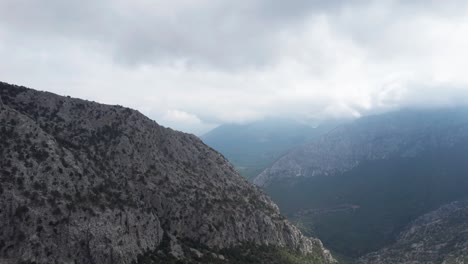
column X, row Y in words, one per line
column 82, row 182
column 403, row 134
column 358, row 186
column 254, row 146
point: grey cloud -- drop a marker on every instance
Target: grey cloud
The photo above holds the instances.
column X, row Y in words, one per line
column 193, row 64
column 221, row 34
column 226, row 34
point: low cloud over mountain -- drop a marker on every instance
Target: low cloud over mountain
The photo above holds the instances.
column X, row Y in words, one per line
column 224, row 61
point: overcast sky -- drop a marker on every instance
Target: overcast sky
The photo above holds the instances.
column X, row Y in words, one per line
column 194, row 64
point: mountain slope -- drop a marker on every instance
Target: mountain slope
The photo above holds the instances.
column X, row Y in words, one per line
column 90, row 183
column 255, row 146
column 440, row 236
column 358, row 186
column 399, row 134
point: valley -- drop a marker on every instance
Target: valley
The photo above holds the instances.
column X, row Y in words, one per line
column 359, row 186
column 253, row 147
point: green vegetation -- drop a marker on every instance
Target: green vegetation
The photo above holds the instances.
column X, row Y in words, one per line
column 245, row 254
column 268, row 254
column 364, row 209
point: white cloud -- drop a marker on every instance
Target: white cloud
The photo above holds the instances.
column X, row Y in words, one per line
column 182, row 120
column 194, row 64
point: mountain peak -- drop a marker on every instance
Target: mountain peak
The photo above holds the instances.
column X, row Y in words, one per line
column 94, row 183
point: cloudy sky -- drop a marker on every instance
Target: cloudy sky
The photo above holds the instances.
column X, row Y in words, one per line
column 194, row 64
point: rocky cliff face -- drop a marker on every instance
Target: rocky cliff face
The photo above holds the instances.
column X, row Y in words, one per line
column 83, row 182
column 440, row 236
column 400, row 134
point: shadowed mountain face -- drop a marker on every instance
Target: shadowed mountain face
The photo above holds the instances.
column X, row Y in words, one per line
column 358, row 186
column 83, row 182
column 440, row 236
column 253, row 147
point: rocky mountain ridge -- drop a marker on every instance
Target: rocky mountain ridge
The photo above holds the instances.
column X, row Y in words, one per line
column 400, row 134
column 89, row 183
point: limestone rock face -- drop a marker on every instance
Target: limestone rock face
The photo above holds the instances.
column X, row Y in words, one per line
column 399, row 134
column 440, row 236
column 83, row 182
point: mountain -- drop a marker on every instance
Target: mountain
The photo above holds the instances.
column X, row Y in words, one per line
column 401, row 134
column 83, row 182
column 359, row 185
column 254, row 146
column 440, row 236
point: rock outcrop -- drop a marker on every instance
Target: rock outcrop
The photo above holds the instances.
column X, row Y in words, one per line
column 438, row 237
column 83, row 182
